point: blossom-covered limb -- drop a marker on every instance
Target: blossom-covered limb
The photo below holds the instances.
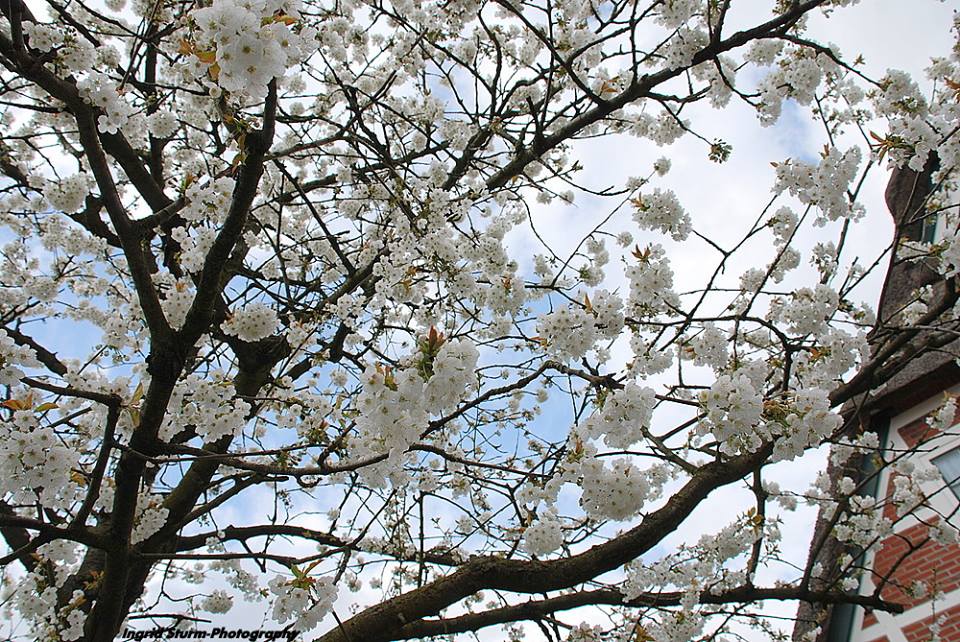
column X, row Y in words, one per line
column 541, row 576
column 538, row 609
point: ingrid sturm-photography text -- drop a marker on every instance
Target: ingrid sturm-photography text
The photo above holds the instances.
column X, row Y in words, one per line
column 215, row 633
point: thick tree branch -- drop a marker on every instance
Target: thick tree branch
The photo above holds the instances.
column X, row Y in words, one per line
column 382, row 621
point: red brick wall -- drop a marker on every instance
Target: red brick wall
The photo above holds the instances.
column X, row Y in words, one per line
column 949, row 629
column 916, row 432
column 935, row 564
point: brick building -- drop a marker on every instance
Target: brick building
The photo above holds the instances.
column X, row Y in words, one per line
column 897, row 413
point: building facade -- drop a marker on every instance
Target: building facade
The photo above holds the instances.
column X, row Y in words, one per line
column 911, row 554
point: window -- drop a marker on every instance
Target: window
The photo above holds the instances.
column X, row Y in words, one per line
column 949, row 466
column 928, row 233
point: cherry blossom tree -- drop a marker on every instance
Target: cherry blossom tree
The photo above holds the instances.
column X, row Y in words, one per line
column 280, row 325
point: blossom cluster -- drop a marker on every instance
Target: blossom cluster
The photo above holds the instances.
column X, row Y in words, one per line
column 570, row 332
column 209, row 406
column 253, row 42
column 742, row 420
column 823, row 185
column 863, row 521
column 679, row 52
column 394, row 406
column 807, row 419
column 303, row 600
column 619, row 490
column 797, row 76
column 694, row 570
column 36, row 601
column 661, row 210
column 622, row 418
column 208, row 201
column 35, row 464
column 651, row 283
column 69, row 193
column 13, row 358
column 544, row 536
column 806, row 311
column 709, row 347
column 219, row 601
column 615, row 492
column 177, row 301
column 835, row 354
column 151, row 516
column 733, row 408
column 252, row 322
column 103, row 92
